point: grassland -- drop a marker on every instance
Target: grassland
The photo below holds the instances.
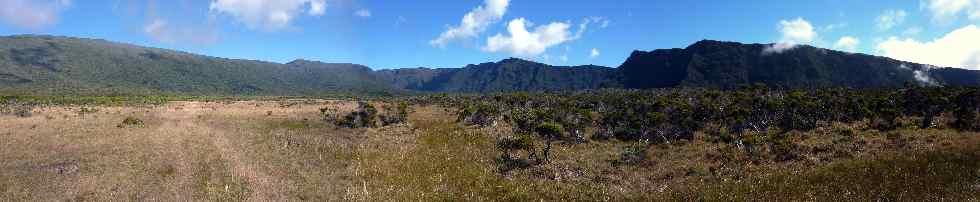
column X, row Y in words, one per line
column 280, row 150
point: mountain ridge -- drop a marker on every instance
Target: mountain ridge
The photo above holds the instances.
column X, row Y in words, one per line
column 54, row 65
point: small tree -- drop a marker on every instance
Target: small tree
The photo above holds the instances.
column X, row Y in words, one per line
column 520, row 142
column 550, row 132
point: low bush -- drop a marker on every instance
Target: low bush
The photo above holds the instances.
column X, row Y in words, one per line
column 87, row 110
column 633, row 153
column 131, row 122
column 395, row 114
column 366, row 116
column 482, row 114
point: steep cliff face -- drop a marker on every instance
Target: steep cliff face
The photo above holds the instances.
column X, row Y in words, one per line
column 728, row 65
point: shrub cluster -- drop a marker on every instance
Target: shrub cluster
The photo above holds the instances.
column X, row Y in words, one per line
column 368, row 116
column 15, row 108
column 751, row 115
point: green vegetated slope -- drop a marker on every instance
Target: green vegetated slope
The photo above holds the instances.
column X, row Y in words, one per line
column 506, row 75
column 50, row 65
column 60, row 65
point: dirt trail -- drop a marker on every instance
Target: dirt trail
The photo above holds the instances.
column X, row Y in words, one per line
column 262, row 186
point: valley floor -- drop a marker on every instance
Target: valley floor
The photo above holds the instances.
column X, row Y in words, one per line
column 282, row 151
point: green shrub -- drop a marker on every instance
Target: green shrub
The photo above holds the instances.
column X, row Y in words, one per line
column 395, row 114
column 508, row 145
column 365, row 116
column 87, row 110
column 783, row 147
column 634, row 153
column 131, row 122
column 483, row 114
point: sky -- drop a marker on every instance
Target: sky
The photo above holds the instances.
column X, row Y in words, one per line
column 454, row 33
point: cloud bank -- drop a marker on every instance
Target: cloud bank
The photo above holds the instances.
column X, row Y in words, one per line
column 958, row 48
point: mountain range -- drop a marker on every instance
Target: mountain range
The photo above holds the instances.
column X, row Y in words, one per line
column 53, row 65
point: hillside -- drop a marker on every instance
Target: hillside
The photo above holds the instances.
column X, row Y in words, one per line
column 61, row 65
column 506, row 75
column 728, row 64
column 49, row 65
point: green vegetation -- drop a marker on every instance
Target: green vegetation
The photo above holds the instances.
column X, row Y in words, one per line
column 754, row 118
column 368, row 116
column 48, row 65
column 688, row 144
column 131, row 122
column 58, row 66
column 878, row 135
column 504, row 76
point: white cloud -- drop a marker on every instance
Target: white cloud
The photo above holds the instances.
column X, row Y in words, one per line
column 161, row 30
column 797, row 31
column 794, row 32
column 364, row 13
column 890, row 18
column 32, row 14
column 268, row 15
column 921, row 74
column 594, row 53
column 318, row 8
column 847, row 43
column 474, row 22
column 958, row 48
column 524, row 43
column 945, row 11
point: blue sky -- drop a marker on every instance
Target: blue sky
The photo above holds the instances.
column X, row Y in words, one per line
column 435, row 33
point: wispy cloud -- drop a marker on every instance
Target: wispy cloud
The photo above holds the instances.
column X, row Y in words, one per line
column 890, row 18
column 268, row 15
column 946, row 11
column 364, row 13
column 32, row 14
column 161, row 30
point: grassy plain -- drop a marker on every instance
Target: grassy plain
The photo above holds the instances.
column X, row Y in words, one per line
column 280, row 150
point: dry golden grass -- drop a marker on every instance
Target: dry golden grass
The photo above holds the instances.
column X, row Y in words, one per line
column 281, row 151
